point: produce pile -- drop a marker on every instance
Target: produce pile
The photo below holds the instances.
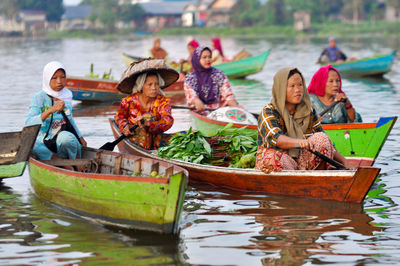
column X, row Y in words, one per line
column 233, row 147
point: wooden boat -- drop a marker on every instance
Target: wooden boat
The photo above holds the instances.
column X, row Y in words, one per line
column 109, row 194
column 369, row 66
column 360, row 143
column 15, row 149
column 100, row 90
column 234, row 69
column 339, row 185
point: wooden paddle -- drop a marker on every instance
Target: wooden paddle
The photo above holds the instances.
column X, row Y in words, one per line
column 331, row 106
column 329, row 160
column 109, row 146
column 190, row 108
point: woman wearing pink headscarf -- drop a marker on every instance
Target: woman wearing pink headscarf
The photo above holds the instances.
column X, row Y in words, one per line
column 217, row 53
column 326, row 88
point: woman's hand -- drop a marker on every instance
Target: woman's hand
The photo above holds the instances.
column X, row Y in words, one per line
column 126, row 131
column 341, row 97
column 58, row 106
column 199, row 105
column 306, row 144
column 83, row 141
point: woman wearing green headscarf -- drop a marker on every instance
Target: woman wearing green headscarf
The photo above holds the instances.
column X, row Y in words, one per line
column 289, row 127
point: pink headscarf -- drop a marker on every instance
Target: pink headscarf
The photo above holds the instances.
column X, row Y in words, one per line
column 194, row 43
column 217, row 45
column 319, row 80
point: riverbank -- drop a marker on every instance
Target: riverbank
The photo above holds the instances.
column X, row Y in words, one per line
column 368, row 28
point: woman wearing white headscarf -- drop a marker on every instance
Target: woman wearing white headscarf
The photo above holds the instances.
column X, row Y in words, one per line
column 45, row 109
column 146, row 106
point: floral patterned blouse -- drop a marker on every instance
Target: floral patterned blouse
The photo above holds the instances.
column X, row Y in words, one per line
column 225, row 91
column 148, row 137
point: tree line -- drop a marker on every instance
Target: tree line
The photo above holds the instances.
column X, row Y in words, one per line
column 280, row 12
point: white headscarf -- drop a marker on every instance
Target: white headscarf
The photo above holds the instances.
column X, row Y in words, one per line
column 48, row 72
column 140, row 82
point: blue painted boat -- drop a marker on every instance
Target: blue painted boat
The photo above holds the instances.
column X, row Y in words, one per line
column 369, row 66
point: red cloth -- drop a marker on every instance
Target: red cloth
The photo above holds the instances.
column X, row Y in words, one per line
column 318, row 81
column 217, row 45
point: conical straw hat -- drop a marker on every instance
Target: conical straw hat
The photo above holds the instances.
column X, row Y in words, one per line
column 128, row 79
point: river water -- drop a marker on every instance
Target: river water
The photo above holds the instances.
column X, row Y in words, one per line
column 218, row 226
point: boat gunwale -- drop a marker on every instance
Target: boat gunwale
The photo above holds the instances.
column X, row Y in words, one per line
column 112, row 177
column 324, row 126
column 391, row 54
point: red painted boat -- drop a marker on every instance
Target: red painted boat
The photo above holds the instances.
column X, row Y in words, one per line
column 339, row 185
column 100, row 90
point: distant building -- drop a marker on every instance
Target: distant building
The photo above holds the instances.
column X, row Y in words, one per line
column 196, row 14
column 392, row 14
column 163, row 14
column 219, row 12
column 76, row 18
column 11, row 26
column 33, row 20
column 302, row 20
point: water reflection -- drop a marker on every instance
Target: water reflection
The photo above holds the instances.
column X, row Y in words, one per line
column 280, row 230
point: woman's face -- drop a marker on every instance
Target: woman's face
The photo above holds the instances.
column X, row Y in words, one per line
column 333, row 83
column 205, row 59
column 57, row 81
column 294, row 89
column 151, row 86
column 190, row 49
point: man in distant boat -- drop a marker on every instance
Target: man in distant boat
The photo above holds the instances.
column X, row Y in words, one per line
column 331, row 53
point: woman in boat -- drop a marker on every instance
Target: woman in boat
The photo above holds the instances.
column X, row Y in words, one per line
column 45, row 109
column 288, row 128
column 205, row 86
column 326, row 88
column 217, row 53
column 146, row 106
column 157, row 52
column 191, row 46
column 331, row 53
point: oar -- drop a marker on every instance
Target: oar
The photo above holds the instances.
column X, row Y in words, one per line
column 331, row 106
column 189, row 108
column 109, row 146
column 329, row 160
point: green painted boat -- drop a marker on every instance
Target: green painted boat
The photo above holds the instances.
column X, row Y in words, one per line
column 360, row 143
column 15, row 149
column 368, row 66
column 234, row 69
column 117, row 189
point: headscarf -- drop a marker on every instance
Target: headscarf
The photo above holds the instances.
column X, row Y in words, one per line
column 297, row 124
column 48, row 72
column 318, row 82
column 140, row 82
column 194, row 43
column 204, row 85
column 158, row 53
column 217, row 45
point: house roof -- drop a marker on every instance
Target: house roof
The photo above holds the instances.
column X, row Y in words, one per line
column 223, row 4
column 72, row 12
column 164, row 8
column 32, row 12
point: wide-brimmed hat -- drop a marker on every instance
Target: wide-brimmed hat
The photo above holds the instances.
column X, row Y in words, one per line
column 128, row 79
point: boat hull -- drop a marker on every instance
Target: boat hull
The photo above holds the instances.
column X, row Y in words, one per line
column 15, row 149
column 360, row 143
column 234, row 69
column 101, row 90
column 142, row 203
column 370, row 66
column 338, row 185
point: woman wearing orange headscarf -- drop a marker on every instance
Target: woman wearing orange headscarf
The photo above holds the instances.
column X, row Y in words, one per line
column 157, row 52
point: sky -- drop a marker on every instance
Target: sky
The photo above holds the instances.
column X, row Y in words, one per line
column 71, row 2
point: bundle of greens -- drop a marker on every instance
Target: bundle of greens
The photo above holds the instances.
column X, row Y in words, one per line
column 188, row 147
column 233, row 147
